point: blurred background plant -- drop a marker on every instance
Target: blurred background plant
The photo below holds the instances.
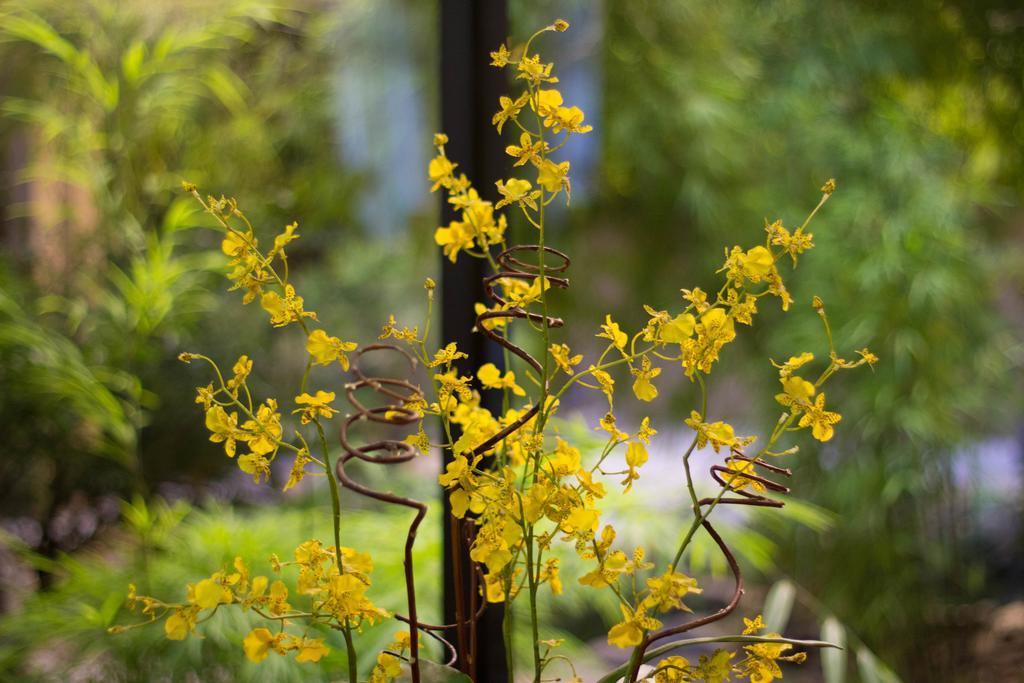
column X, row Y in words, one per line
column 709, row 117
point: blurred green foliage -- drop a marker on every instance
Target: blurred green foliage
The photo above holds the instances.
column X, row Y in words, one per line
column 721, row 114
column 716, row 115
column 114, row 104
column 62, row 634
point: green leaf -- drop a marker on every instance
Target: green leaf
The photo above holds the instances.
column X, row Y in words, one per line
column 132, row 61
column 833, row 662
column 872, row 670
column 778, row 606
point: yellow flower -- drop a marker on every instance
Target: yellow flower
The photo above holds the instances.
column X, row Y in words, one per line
column 564, row 358
column 256, row 465
column 668, row 590
column 762, row 662
column 458, row 236
column 742, row 310
column 495, row 587
column 236, row 244
column 286, row 309
column 610, row 330
column 531, row 69
column 565, row 460
column 547, row 102
column 697, row 297
column 569, row 119
column 819, row 419
column 179, row 624
column 605, row 382
column 390, row 330
column 204, row 396
column 796, row 392
column 446, row 356
column 752, row 625
column 440, row 171
column 265, row 431
column 736, row 479
column 794, row 243
column 509, row 109
column 223, row 427
column 258, row 643
column 630, row 632
column 298, row 470
column 550, row 575
column 867, row 356
column 757, row 263
column 516, row 190
column 283, row 239
column 326, row 349
column 553, row 176
column 642, row 386
column 586, row 480
column 500, row 57
column 673, row 669
column 608, row 425
column 794, row 363
column 492, row 378
column 241, row 369
column 210, row 593
column 646, row 431
column 315, row 406
column 719, row 434
column 312, row 650
column 526, row 150
column 636, row 456
column 715, row 669
column 677, row 330
column 581, row 520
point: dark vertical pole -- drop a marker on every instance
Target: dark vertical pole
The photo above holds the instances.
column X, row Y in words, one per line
column 470, row 87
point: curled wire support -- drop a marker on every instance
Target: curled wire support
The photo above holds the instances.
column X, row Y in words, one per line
column 396, row 394
column 394, row 412
column 742, row 497
column 512, row 268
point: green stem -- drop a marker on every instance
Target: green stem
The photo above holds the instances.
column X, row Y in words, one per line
column 353, row 674
column 350, row 648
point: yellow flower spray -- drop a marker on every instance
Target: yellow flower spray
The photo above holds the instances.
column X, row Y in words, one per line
column 513, row 485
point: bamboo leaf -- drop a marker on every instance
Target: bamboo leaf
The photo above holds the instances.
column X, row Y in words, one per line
column 778, row 605
column 833, row 662
column 872, row 670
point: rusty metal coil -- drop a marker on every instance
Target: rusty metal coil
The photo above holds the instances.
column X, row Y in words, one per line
column 742, row 497
column 396, row 392
column 513, row 268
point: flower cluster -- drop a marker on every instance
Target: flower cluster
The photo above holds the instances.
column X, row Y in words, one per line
column 332, row 581
column 759, row 665
column 529, row 488
column 515, row 485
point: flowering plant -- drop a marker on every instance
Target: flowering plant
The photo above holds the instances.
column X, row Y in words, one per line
column 516, row 488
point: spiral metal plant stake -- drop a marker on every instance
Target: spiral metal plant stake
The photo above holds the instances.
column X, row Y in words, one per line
column 511, row 268
column 388, row 452
column 743, row 497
